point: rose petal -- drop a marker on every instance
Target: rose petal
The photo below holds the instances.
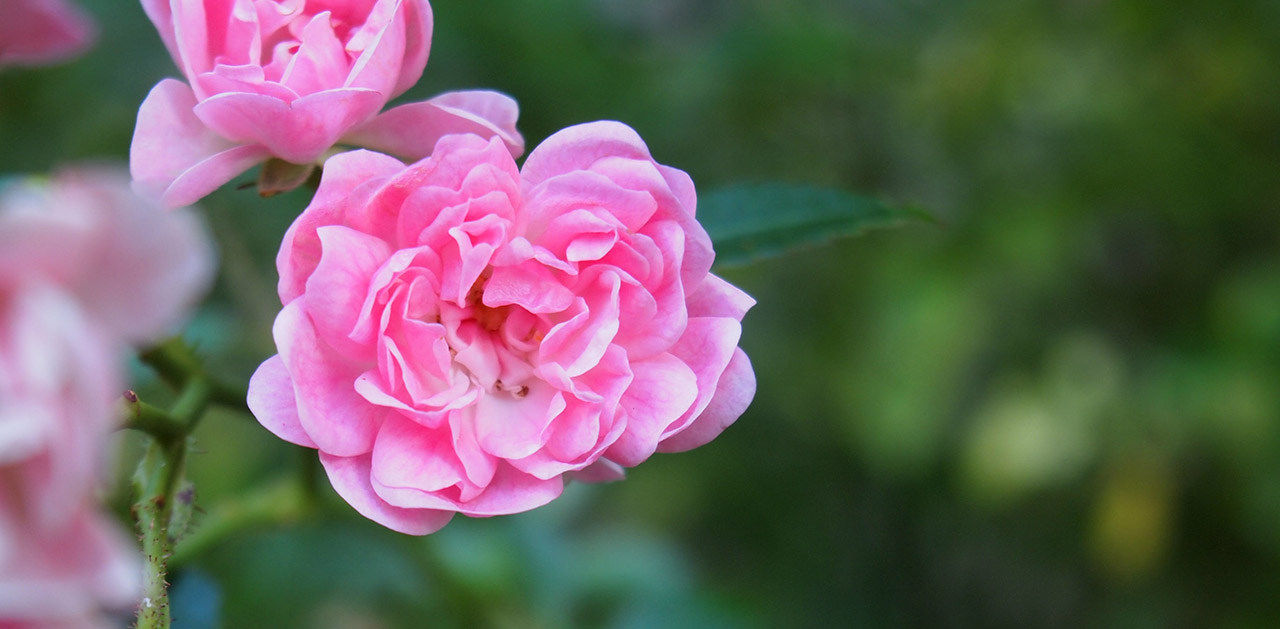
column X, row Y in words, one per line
column 332, row 413
column 411, row 131
column 663, row 388
column 41, row 32
column 715, row 297
column 407, row 454
column 297, row 132
column 510, row 491
column 350, row 477
column 174, row 156
column 272, row 400
column 337, row 290
column 578, row 147
column 734, row 392
column 336, row 202
column 706, row 347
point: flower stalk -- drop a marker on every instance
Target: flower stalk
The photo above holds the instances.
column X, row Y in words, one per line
column 166, row 499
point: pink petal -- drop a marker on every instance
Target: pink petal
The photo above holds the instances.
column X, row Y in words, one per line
column 245, row 78
column 510, row 491
column 174, row 156
column 334, row 201
column 529, row 285
column 512, row 427
column 655, row 313
column 338, row 420
column 337, row 290
column 272, row 401
column 321, row 60
column 407, row 454
column 297, row 132
column 589, row 424
column 578, row 344
column 706, row 347
column 681, row 186
column 734, row 392
column 579, row 147
column 210, row 174
column 417, row 44
column 62, row 576
column 411, row 131
column 479, row 465
column 381, row 43
column 140, row 288
column 662, row 390
column 715, row 297
column 350, row 477
column 41, row 32
column 191, row 45
column 656, row 180
column 562, row 194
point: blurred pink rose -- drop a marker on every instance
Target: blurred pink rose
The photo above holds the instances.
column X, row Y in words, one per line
column 85, row 267
column 290, row 79
column 130, row 265
column 42, row 32
column 458, row 335
column 60, row 561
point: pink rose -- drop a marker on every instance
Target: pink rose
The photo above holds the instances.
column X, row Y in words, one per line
column 60, row 561
column 129, row 264
column 290, row 79
column 85, row 267
column 42, row 32
column 459, row 335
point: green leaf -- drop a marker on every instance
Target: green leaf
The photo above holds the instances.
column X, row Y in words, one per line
column 752, row 221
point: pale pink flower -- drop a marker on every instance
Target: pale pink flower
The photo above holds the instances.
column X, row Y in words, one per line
column 85, row 268
column 42, row 32
column 459, row 335
column 60, row 561
column 130, row 265
column 291, row 79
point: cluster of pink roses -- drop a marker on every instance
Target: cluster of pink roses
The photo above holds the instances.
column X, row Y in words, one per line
column 86, row 268
column 459, row 334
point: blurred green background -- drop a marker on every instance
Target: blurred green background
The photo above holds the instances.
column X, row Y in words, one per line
column 1057, row 408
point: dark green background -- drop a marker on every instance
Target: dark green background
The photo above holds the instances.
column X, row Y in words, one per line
column 1057, row 408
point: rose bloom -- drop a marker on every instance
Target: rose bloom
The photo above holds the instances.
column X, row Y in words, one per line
column 459, row 335
column 290, row 79
column 131, row 266
column 42, row 32
column 86, row 267
column 61, row 562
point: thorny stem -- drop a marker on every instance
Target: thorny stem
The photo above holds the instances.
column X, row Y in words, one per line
column 165, row 501
column 156, row 479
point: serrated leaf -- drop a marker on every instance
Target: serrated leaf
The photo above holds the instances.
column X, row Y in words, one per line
column 752, row 221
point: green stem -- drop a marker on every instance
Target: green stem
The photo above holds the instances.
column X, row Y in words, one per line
column 164, row 504
column 151, row 420
column 157, row 477
column 177, row 364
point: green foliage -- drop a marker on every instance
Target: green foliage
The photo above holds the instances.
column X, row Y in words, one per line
column 752, row 221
